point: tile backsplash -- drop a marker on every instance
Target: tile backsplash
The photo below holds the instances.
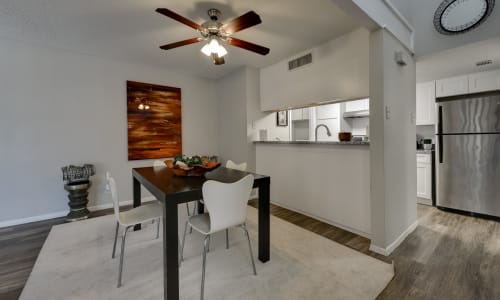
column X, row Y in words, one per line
column 426, row 131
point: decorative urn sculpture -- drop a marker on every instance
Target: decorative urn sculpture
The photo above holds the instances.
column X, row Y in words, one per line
column 77, row 183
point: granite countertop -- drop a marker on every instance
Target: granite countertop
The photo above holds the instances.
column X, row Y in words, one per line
column 311, row 143
column 423, row 151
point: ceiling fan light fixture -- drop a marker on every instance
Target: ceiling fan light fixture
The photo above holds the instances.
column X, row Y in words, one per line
column 206, row 50
column 214, row 47
column 221, row 51
column 214, row 33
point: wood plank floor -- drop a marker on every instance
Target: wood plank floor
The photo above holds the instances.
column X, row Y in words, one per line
column 448, row 256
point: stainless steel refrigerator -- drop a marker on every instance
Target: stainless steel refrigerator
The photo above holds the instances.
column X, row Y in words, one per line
column 468, row 154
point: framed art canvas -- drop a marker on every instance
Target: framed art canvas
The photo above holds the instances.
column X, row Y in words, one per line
column 154, row 121
column 282, row 118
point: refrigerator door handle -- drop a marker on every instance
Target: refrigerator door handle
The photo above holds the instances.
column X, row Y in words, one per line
column 440, row 133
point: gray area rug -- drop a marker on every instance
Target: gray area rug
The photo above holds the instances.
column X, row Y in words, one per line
column 75, row 263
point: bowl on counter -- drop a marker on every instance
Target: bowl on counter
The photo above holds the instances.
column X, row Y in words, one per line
column 345, row 136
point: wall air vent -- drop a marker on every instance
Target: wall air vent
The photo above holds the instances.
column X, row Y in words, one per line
column 299, row 62
column 484, row 62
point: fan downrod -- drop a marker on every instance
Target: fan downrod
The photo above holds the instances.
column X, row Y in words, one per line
column 214, row 14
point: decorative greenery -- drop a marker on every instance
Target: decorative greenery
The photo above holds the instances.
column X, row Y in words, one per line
column 191, row 160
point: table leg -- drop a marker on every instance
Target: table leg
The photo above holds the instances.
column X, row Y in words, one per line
column 137, row 197
column 264, row 222
column 201, row 207
column 170, row 252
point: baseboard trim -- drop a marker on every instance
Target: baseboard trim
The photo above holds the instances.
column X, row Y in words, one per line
column 38, row 218
column 388, row 250
column 59, row 214
column 122, row 203
column 329, row 222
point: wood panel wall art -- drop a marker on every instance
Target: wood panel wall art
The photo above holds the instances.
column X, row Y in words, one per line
column 154, row 121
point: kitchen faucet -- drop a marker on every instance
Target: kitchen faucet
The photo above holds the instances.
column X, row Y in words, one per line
column 316, row 131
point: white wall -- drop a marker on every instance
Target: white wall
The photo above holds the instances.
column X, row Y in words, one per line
column 60, row 108
column 392, row 135
column 328, row 182
column 339, row 71
column 232, row 127
column 374, row 14
column 238, row 109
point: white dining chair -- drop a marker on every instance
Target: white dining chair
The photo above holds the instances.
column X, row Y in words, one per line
column 158, row 165
column 232, row 165
column 226, row 204
column 129, row 218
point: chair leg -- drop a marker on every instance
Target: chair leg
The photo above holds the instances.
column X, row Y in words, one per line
column 249, row 247
column 179, row 247
column 183, row 241
column 193, row 214
column 208, row 247
column 195, row 208
column 206, row 242
column 158, row 229
column 120, row 271
column 227, row 238
column 116, row 237
column 187, row 209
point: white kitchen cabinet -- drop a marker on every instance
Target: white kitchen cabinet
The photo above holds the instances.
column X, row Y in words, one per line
column 484, row 81
column 424, row 177
column 363, row 104
column 328, row 111
column 426, row 103
column 301, row 114
column 452, row 86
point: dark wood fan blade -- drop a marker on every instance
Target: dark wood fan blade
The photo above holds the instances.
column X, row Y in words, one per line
column 242, row 22
column 181, row 43
column 248, row 46
column 218, row 60
column 168, row 13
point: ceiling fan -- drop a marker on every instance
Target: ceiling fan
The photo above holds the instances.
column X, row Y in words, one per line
column 215, row 32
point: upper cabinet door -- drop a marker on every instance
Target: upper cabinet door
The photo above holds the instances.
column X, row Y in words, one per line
column 328, row 111
column 484, row 81
column 452, row 86
column 363, row 104
column 297, row 114
column 426, row 103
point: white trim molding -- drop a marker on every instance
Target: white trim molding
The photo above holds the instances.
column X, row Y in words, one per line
column 33, row 219
column 388, row 250
column 122, row 203
column 329, row 222
column 63, row 213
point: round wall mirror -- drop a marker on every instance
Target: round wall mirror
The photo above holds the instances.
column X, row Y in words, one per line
column 459, row 16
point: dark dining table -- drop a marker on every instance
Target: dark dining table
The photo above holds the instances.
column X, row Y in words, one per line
column 173, row 190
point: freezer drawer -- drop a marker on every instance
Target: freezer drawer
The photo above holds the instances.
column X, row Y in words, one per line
column 469, row 173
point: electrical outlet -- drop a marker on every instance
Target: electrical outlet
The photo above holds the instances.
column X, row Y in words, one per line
column 387, row 113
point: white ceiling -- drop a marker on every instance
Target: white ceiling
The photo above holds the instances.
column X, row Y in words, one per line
column 459, row 61
column 131, row 30
column 420, row 14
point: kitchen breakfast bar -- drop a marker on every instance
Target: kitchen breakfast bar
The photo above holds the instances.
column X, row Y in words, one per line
column 329, row 181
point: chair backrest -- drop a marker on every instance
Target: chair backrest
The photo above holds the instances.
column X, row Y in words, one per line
column 227, row 202
column 159, row 164
column 114, row 196
column 232, row 165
